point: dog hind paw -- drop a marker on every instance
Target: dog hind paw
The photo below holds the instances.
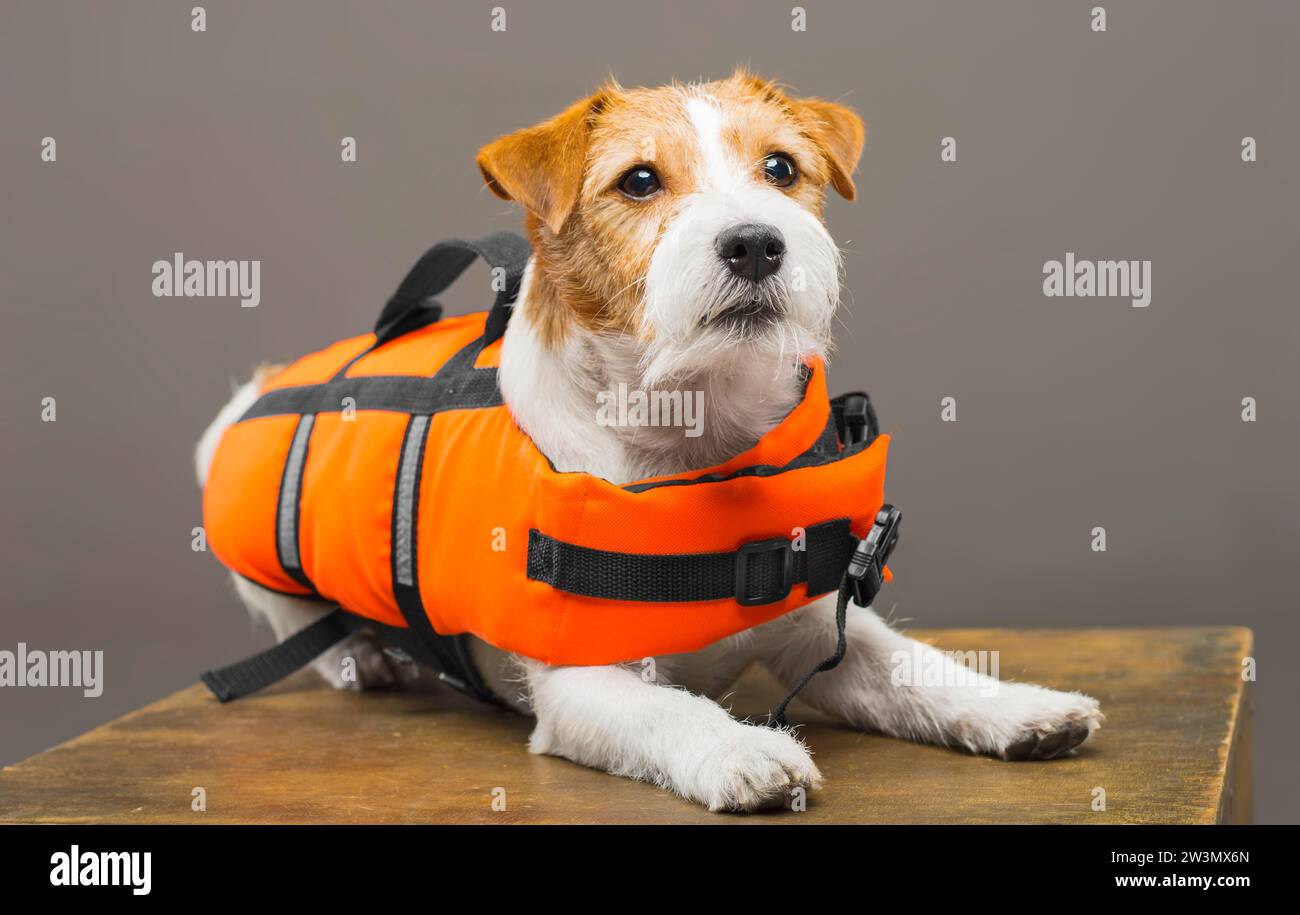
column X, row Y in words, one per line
column 358, row 663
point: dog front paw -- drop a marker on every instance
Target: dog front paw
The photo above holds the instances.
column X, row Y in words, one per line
column 753, row 768
column 1024, row 721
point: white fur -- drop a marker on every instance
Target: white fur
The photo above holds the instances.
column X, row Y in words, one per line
column 724, row 172
column 552, row 395
column 612, row 719
column 672, row 731
column 688, row 284
column 244, row 397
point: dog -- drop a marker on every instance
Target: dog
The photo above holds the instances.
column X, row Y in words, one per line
column 679, row 244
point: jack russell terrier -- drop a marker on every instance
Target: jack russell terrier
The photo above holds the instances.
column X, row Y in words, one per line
column 678, row 242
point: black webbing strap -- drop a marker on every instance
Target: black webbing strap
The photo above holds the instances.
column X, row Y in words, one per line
column 758, row 573
column 448, row 656
column 276, row 663
column 412, row 305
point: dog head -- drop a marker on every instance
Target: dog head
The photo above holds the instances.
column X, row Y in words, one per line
column 688, row 218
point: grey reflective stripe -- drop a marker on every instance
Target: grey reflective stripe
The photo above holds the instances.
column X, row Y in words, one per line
column 408, row 472
column 286, row 523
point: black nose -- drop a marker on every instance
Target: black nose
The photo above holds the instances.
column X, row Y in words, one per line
column 752, row 250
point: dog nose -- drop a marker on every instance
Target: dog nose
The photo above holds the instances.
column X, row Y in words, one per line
column 752, row 250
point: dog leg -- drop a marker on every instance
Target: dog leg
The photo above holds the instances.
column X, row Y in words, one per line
column 611, row 719
column 358, row 662
column 879, row 686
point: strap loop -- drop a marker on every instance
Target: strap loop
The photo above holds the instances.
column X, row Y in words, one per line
column 413, row 305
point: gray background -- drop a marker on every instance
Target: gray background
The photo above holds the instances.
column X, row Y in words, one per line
column 1072, row 412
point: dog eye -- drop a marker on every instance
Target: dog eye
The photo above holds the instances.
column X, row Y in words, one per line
column 778, row 169
column 640, row 183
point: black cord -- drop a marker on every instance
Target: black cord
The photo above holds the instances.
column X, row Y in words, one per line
column 777, row 718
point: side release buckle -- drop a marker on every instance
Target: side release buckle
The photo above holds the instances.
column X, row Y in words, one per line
column 866, row 572
column 855, row 419
column 858, row 420
column 746, row 554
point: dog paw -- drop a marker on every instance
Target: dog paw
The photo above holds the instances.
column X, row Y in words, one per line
column 1048, row 744
column 1051, row 725
column 1023, row 721
column 358, row 662
column 756, row 768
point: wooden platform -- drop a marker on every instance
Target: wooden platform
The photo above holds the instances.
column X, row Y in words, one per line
column 1175, row 748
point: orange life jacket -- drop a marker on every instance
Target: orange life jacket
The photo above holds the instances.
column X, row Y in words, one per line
column 385, row 474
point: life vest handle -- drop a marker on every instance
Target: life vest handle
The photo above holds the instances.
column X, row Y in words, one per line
column 413, row 305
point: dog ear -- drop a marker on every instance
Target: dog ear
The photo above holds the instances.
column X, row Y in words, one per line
column 542, row 167
column 840, row 133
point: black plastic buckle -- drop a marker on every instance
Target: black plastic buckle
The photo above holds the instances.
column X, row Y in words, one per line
column 860, row 424
column 758, row 547
column 866, row 572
